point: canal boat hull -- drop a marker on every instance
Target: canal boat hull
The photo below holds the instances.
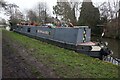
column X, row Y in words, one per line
column 77, row 39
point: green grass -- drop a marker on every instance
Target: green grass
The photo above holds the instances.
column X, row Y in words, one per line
column 65, row 63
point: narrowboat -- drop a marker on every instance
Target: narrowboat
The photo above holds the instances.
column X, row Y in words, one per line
column 77, row 38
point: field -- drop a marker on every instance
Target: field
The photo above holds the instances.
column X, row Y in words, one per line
column 47, row 60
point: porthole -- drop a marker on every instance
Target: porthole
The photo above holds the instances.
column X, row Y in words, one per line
column 28, row 30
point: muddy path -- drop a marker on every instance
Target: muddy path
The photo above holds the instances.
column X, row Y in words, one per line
column 13, row 65
column 17, row 62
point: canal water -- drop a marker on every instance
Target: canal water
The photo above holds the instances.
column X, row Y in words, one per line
column 113, row 44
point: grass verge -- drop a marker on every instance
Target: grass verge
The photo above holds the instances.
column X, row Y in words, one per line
column 65, row 63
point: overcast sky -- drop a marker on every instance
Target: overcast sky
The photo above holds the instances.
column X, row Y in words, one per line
column 27, row 4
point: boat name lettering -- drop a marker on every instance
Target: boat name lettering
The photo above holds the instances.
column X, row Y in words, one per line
column 44, row 32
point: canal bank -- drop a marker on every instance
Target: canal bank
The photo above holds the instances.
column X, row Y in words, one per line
column 64, row 63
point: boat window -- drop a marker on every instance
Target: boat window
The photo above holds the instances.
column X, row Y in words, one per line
column 17, row 27
column 21, row 28
column 36, row 31
column 82, row 48
column 28, row 30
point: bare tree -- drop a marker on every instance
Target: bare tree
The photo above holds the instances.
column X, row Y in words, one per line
column 76, row 6
column 42, row 11
column 11, row 10
column 108, row 9
column 31, row 15
column 3, row 4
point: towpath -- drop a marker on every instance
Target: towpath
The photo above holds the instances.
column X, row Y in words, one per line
column 17, row 63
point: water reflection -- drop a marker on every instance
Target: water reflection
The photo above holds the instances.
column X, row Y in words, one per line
column 113, row 44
